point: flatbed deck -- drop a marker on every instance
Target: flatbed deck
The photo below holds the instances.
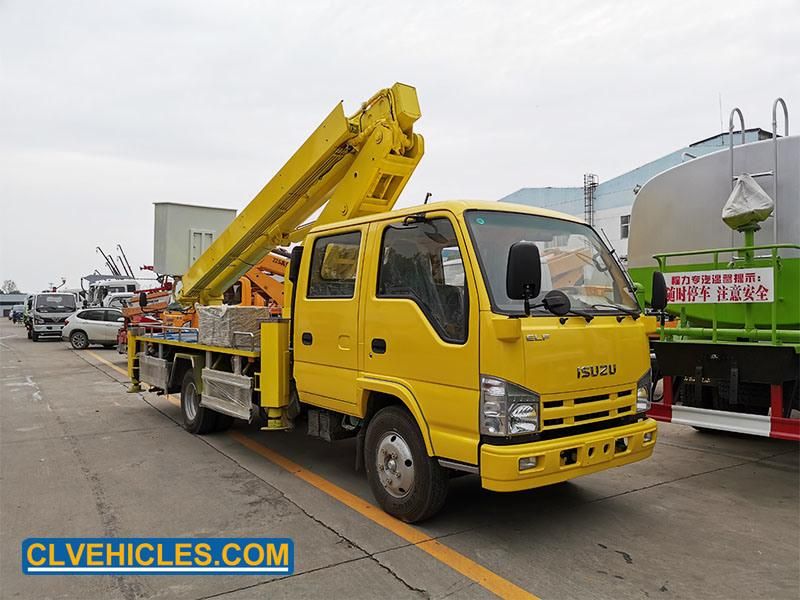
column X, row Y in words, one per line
column 190, row 343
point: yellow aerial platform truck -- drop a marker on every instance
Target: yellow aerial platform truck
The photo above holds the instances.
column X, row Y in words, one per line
column 435, row 335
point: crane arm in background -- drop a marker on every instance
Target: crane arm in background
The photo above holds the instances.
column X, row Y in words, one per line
column 261, row 277
column 349, row 167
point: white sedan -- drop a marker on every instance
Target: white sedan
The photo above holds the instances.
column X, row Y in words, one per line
column 93, row 326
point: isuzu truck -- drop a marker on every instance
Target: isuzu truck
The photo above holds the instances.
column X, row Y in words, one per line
column 443, row 337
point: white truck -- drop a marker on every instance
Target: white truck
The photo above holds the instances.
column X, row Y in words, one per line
column 48, row 311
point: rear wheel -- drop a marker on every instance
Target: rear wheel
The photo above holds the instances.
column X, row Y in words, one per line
column 223, row 422
column 196, row 418
column 79, row 340
column 406, row 482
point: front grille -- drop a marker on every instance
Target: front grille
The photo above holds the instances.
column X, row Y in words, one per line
column 570, row 411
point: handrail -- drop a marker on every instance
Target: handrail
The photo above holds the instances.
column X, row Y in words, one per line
column 730, row 145
column 775, row 335
column 722, row 250
column 252, row 339
column 180, row 330
column 775, row 158
column 782, row 102
column 735, row 111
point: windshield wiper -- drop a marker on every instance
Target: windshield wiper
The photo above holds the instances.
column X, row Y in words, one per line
column 635, row 314
column 580, row 313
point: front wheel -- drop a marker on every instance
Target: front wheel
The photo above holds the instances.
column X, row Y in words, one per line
column 79, row 340
column 406, row 482
column 34, row 336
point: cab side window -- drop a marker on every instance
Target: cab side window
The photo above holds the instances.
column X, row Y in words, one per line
column 422, row 262
column 334, row 262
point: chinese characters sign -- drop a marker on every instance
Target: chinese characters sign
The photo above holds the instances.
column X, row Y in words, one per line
column 727, row 286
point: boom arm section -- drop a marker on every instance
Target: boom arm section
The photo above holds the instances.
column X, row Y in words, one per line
column 349, row 167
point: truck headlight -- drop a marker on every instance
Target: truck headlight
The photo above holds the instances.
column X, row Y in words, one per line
column 38, row 320
column 507, row 409
column 643, row 391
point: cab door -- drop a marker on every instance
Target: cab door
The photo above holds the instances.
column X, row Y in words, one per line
column 326, row 320
column 420, row 325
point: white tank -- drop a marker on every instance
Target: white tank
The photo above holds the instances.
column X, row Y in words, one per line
column 680, row 209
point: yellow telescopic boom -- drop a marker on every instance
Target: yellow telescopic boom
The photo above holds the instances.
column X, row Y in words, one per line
column 352, row 167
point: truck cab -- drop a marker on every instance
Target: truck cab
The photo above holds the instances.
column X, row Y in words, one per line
column 412, row 309
column 48, row 311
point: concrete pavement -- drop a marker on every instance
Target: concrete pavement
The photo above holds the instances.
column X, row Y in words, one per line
column 710, row 515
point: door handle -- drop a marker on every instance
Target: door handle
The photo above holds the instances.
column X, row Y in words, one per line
column 378, row 345
column 307, row 338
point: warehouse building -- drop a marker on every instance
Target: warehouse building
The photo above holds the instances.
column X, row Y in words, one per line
column 607, row 204
column 9, row 300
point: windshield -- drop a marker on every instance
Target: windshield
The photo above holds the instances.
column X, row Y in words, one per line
column 574, row 260
column 55, row 303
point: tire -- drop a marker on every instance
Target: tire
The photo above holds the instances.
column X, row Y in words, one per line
column 30, row 337
column 196, row 419
column 223, row 423
column 79, row 339
column 417, row 484
column 34, row 336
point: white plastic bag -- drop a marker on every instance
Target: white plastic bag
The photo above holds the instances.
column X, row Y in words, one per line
column 748, row 204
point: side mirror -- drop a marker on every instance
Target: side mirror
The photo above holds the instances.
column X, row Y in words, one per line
column 557, row 302
column 523, row 272
column 294, row 264
column 121, row 320
column 658, row 300
column 142, row 299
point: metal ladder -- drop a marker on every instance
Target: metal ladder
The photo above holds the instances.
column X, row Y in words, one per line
column 774, row 172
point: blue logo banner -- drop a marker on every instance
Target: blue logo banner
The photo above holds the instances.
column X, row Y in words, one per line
column 158, row 556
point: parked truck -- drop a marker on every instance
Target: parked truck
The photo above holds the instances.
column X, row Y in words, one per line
column 434, row 335
column 47, row 313
column 729, row 357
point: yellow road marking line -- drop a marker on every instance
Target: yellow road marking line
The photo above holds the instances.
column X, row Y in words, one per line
column 119, row 369
column 107, row 363
column 453, row 559
column 487, row 579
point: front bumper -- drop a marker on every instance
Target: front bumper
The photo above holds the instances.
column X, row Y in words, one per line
column 53, row 329
column 556, row 461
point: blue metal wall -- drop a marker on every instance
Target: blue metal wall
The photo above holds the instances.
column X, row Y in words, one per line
column 619, row 191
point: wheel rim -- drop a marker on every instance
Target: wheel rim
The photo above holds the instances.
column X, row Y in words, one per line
column 191, row 403
column 79, row 339
column 395, row 465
